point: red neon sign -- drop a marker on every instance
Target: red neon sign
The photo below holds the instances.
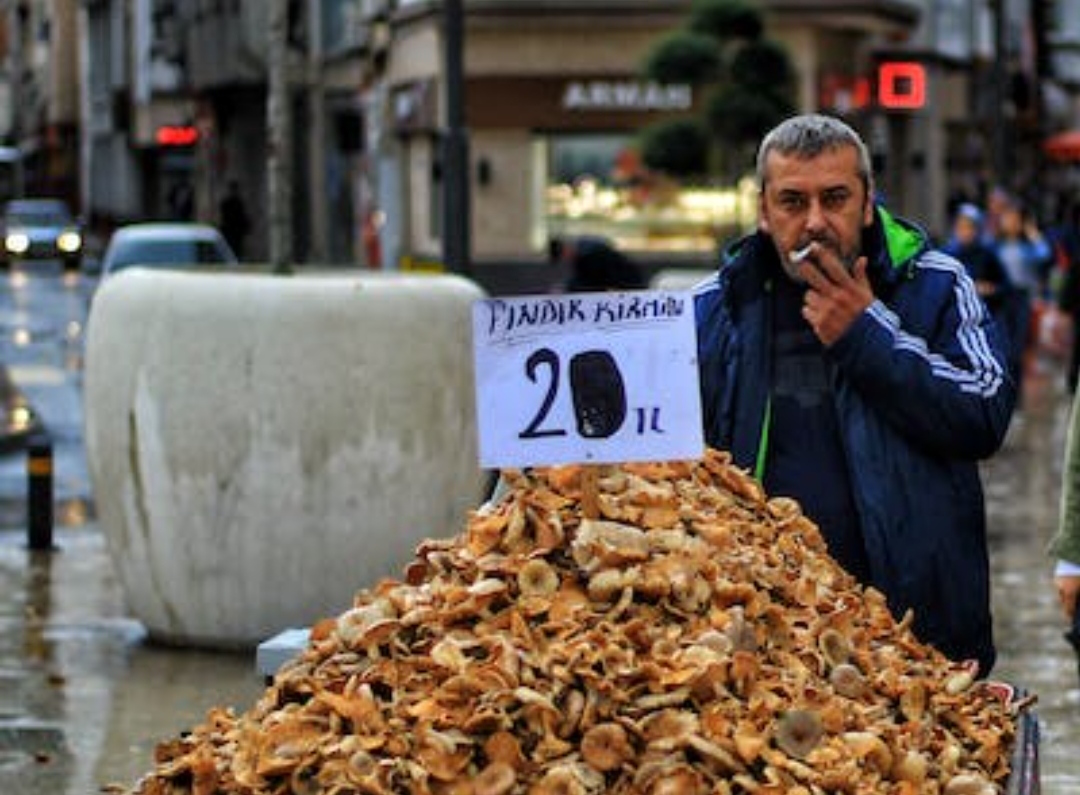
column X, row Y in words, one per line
column 175, row 135
column 844, row 93
column 902, row 85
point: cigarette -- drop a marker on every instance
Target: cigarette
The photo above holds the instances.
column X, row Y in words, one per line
column 799, row 254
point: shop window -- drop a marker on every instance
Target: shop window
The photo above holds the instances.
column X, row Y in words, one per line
column 596, row 185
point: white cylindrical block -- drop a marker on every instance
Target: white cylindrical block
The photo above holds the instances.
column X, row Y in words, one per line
column 261, row 447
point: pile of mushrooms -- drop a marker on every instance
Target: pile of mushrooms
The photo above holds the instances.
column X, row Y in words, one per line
column 654, row 628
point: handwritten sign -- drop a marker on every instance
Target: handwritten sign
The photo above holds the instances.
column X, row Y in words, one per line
column 587, row 378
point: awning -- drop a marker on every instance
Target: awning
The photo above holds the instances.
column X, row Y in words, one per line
column 1063, row 146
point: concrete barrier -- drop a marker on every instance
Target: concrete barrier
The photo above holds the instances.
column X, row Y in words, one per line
column 262, row 447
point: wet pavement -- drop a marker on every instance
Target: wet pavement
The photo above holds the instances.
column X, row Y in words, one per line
column 84, row 697
column 1023, row 487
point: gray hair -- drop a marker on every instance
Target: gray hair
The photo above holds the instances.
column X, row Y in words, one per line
column 808, row 136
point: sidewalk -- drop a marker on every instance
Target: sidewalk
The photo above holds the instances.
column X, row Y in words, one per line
column 84, row 698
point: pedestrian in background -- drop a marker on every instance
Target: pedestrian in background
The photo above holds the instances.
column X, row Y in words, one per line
column 967, row 244
column 1067, row 248
column 1028, row 258
column 594, row 265
column 181, row 200
column 853, row 367
column 978, row 255
column 996, row 202
column 235, row 223
column 1065, row 546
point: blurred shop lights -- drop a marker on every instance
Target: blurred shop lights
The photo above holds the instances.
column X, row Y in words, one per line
column 901, row 85
column 674, row 218
column 177, row 135
column 895, row 85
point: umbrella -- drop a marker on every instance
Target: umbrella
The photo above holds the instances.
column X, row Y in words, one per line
column 1063, row 146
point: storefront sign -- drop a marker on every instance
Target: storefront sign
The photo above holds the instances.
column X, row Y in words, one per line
column 896, row 85
column 575, row 102
column 177, row 135
column 587, row 378
column 902, row 85
column 626, row 95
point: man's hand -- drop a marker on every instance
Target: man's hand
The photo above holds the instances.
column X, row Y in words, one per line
column 1068, row 588
column 835, row 297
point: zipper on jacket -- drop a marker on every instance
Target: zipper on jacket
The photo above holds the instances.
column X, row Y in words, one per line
column 762, row 457
column 763, row 442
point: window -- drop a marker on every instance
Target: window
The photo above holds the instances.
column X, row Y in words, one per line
column 597, row 185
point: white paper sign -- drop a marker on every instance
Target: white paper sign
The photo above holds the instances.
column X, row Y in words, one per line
column 587, row 378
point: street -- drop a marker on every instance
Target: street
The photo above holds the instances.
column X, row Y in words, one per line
column 84, row 698
column 1022, row 484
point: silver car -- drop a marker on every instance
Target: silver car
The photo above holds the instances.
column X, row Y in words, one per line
column 166, row 245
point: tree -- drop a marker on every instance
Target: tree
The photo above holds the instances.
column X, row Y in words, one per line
column 748, row 84
column 679, row 147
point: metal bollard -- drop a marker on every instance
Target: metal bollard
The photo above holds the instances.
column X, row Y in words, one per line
column 39, row 493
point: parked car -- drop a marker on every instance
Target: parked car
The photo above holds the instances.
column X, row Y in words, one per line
column 166, row 245
column 41, row 229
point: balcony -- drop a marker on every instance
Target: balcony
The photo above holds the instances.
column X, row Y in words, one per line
column 1064, row 40
column 227, row 46
column 870, row 16
column 1065, row 61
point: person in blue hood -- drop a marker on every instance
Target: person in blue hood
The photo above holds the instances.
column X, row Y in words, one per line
column 853, row 367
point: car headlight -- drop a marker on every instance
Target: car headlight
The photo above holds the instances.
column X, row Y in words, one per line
column 17, row 242
column 69, row 242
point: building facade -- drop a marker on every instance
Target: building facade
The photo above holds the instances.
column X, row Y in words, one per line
column 149, row 108
column 553, row 110
column 175, row 109
column 39, row 95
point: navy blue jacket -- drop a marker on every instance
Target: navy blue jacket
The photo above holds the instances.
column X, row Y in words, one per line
column 922, row 394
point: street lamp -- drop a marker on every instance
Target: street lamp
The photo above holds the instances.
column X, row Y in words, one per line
column 456, row 216
column 1000, row 139
column 279, row 133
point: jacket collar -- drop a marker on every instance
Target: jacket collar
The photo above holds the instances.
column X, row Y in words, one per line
column 894, row 243
column 891, row 245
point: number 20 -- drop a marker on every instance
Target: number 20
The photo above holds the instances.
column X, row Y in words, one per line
column 596, row 388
